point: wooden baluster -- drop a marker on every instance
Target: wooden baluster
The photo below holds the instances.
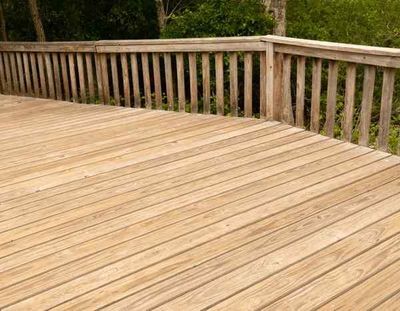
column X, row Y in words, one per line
column 366, row 104
column 278, row 67
column 89, row 71
column 316, row 95
column 8, row 72
column 219, row 76
column 300, row 88
column 233, row 83
column 50, row 77
column 263, row 84
column 35, row 78
column 28, row 80
column 386, row 108
column 205, row 72
column 287, row 110
column 168, row 80
column 104, row 78
column 99, row 78
column 135, row 79
column 42, row 76
column 72, row 75
column 331, row 98
column 180, row 81
column 3, row 80
column 57, row 77
column 21, row 75
column 146, row 80
column 114, row 77
column 270, row 77
column 349, row 102
column 81, row 77
column 64, row 73
column 125, row 80
column 157, row 80
column 248, row 84
column 193, row 83
column 14, row 74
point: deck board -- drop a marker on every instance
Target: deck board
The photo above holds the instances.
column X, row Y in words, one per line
column 131, row 209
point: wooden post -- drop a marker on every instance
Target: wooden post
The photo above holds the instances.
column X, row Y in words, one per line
column 269, row 97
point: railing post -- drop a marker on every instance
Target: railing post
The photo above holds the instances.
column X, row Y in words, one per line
column 269, row 98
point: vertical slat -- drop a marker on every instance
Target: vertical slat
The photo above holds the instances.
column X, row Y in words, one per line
column 270, row 76
column 81, row 77
column 219, row 76
column 331, row 98
column 287, row 111
column 157, row 80
column 135, row 79
column 146, row 80
column 104, row 78
column 278, row 67
column 99, row 78
column 316, row 94
column 349, row 102
column 125, row 79
column 21, row 76
column 263, row 84
column 35, row 78
column 233, row 83
column 386, row 108
column 168, row 80
column 27, row 73
column 193, row 83
column 72, row 75
column 2, row 75
column 366, row 104
column 114, row 77
column 64, row 73
column 181, row 82
column 205, row 72
column 8, row 72
column 57, row 77
column 89, row 71
column 300, row 88
column 42, row 76
column 14, row 74
column 50, row 78
column 248, row 84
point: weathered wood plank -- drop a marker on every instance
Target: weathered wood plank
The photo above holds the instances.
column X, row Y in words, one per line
column 104, row 78
column 3, row 80
column 157, row 80
column 180, row 72
column 248, row 84
column 90, row 76
column 331, row 98
column 50, row 76
column 277, row 85
column 219, row 78
column 42, row 75
column 169, row 81
column 7, row 67
column 300, row 89
column 194, row 107
column 35, row 78
column 14, row 74
column 64, row 73
column 146, row 80
column 366, row 104
column 263, row 84
column 287, row 110
column 316, row 95
column 21, row 76
column 81, row 77
column 125, row 80
column 233, row 83
column 72, row 76
column 349, row 102
column 115, row 79
column 57, row 76
column 135, row 80
column 205, row 72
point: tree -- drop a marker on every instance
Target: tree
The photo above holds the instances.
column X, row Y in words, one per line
column 37, row 22
column 278, row 10
column 3, row 23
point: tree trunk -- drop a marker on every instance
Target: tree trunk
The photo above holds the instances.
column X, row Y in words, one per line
column 278, row 9
column 37, row 22
column 161, row 15
column 3, row 24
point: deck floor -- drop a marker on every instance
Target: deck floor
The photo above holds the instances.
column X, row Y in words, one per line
column 129, row 209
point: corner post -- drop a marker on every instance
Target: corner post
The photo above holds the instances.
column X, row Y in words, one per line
column 269, row 81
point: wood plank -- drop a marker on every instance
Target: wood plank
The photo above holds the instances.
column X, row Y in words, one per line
column 14, row 74
column 146, row 80
column 135, row 79
column 300, row 89
column 81, row 78
column 180, row 72
column 331, row 99
column 99, row 78
column 50, row 75
column 3, row 81
column 366, row 105
column 57, row 76
column 316, row 95
column 157, row 80
column 90, row 76
column 21, row 76
column 270, row 77
column 72, row 77
column 64, row 73
column 391, row 304
column 104, row 78
column 248, row 84
column 233, row 83
column 194, row 106
column 386, row 108
column 115, row 79
column 35, row 78
column 6, row 60
column 277, row 84
column 219, row 82
column 347, row 125
column 26, row 72
column 263, row 84
column 169, row 81
column 205, row 73
column 125, row 80
column 287, row 109
column 42, row 75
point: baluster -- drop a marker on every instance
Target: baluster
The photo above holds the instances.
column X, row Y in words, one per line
column 135, row 79
column 168, row 80
column 20, row 73
column 104, row 78
column 42, row 76
column 157, row 80
column 81, row 77
column 287, row 111
column 114, row 77
column 219, row 76
column 14, row 73
column 316, row 95
column 366, row 104
column 181, row 82
column 50, row 78
column 248, row 84
column 349, row 102
column 300, row 88
column 72, row 75
column 146, row 80
column 35, row 78
column 64, row 73
column 89, row 71
column 125, row 80
column 8, row 72
column 2, row 75
column 331, row 98
column 263, row 84
column 233, row 83
column 193, row 82
column 205, row 72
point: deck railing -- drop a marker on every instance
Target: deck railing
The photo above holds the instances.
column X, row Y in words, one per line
column 246, row 76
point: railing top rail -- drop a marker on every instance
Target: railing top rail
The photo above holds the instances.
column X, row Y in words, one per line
column 68, row 46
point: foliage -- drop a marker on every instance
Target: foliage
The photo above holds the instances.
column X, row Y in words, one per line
column 222, row 18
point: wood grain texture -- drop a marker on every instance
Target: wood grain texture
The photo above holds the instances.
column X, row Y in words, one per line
column 57, row 75
column 194, row 105
column 248, row 84
column 81, row 78
column 233, row 83
column 366, row 105
column 300, row 89
column 157, row 80
column 219, row 82
column 180, row 72
column 205, row 73
column 135, row 80
column 349, row 102
column 331, row 98
column 316, row 95
column 169, row 81
column 115, row 79
column 125, row 80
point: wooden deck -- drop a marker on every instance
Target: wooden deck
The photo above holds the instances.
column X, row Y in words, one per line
column 132, row 209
